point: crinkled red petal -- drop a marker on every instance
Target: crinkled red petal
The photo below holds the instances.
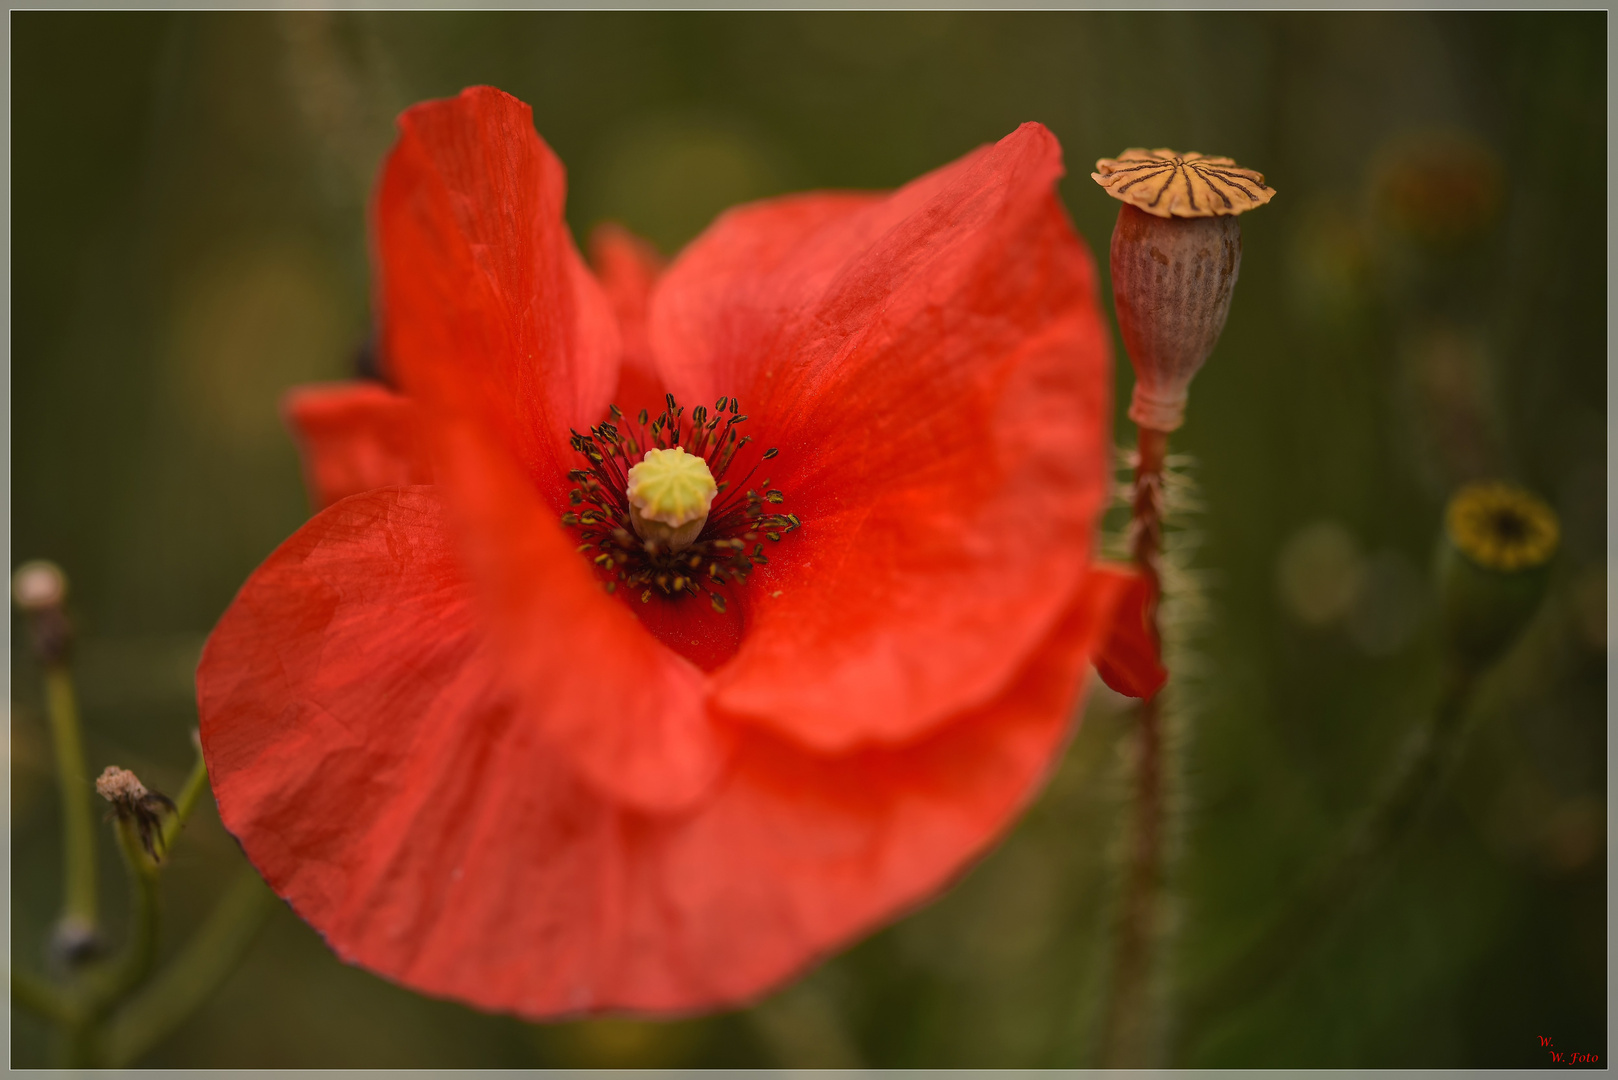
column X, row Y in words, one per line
column 488, row 313
column 935, row 371
column 354, row 437
column 368, row 750
column 505, row 340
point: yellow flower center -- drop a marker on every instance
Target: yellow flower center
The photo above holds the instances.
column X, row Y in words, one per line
column 677, row 521
column 1501, row 527
column 669, row 493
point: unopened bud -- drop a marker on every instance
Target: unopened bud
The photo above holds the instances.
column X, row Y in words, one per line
column 1176, row 254
column 1493, row 566
column 670, row 492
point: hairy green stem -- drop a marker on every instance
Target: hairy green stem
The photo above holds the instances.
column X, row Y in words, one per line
column 1413, row 785
column 1128, row 1028
column 78, row 922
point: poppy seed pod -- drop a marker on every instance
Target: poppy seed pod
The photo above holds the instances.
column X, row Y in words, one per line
column 1176, row 253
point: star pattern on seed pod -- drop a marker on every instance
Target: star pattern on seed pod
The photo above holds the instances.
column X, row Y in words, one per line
column 1167, row 184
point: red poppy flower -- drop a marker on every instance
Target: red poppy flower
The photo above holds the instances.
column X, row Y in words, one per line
column 478, row 772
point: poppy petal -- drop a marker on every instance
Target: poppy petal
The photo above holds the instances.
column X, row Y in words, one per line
column 1130, row 660
column 627, row 268
column 488, row 310
column 354, row 437
column 346, row 614
column 799, row 853
column 496, row 328
column 628, row 709
column 365, row 753
column 935, row 372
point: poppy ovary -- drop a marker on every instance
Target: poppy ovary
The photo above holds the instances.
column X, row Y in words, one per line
column 670, row 493
column 673, row 523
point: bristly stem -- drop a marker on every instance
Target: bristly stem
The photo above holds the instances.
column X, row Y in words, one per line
column 1128, row 1029
column 1414, row 783
column 77, row 928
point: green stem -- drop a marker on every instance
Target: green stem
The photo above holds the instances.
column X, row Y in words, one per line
column 202, row 964
column 78, row 922
column 42, row 998
column 190, row 795
column 81, row 1009
column 1415, row 781
column 99, row 990
column 134, row 961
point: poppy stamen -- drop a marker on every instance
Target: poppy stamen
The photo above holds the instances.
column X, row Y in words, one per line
column 657, row 510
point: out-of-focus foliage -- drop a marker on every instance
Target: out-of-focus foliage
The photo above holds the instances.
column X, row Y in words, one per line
column 1423, row 304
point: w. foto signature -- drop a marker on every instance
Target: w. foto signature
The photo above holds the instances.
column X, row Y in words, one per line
column 1559, row 1057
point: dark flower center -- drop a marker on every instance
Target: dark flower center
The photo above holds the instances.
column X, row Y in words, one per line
column 1509, row 526
column 729, row 544
column 1501, row 527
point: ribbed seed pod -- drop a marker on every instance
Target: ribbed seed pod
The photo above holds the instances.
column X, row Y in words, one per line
column 1172, row 280
column 1176, row 253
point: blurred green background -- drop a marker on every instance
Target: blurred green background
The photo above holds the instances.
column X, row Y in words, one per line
column 1422, row 304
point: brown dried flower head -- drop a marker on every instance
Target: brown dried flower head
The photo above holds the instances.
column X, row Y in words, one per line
column 132, row 802
column 119, row 785
column 1166, row 184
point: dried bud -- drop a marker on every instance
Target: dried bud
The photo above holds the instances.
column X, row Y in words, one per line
column 1493, row 566
column 120, row 786
column 1176, row 253
column 135, row 806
